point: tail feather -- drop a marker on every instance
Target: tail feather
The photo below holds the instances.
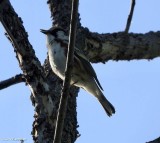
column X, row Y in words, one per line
column 108, row 107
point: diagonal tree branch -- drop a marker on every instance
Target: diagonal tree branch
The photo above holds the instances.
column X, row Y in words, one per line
column 19, row 39
column 130, row 16
column 68, row 69
column 32, row 70
column 11, row 81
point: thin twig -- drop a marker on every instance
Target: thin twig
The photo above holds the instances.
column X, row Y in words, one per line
column 130, row 16
column 11, row 81
column 68, row 69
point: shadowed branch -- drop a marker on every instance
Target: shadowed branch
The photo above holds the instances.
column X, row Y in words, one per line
column 11, row 81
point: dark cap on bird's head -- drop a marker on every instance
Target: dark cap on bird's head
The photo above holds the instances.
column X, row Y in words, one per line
column 52, row 30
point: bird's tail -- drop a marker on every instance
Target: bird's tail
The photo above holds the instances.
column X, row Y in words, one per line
column 108, row 107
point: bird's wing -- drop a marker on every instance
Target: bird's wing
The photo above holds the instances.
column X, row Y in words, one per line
column 87, row 65
column 84, row 61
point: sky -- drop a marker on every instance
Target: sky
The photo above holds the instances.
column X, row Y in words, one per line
column 131, row 86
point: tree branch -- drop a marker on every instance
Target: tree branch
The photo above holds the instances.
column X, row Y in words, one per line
column 19, row 39
column 68, row 69
column 11, row 81
column 115, row 46
column 31, row 68
column 130, row 16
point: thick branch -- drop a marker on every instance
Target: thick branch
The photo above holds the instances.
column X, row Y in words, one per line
column 11, row 81
column 61, row 13
column 25, row 54
column 119, row 46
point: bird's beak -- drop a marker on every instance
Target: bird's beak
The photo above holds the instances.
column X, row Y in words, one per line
column 44, row 31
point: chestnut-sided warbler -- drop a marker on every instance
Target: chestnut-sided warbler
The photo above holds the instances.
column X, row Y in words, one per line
column 83, row 75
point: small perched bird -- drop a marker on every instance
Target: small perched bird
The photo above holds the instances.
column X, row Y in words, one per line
column 83, row 75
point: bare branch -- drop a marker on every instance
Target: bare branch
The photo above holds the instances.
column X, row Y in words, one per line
column 11, row 81
column 68, row 69
column 130, row 16
column 105, row 47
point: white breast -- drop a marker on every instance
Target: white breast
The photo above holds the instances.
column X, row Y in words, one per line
column 57, row 58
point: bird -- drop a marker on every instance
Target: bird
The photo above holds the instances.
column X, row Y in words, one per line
column 83, row 74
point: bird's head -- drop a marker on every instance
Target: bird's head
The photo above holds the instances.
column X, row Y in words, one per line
column 55, row 33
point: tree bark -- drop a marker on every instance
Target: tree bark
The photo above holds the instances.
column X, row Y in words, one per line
column 121, row 46
column 45, row 86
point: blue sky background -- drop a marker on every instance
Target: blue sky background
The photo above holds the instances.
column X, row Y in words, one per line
column 132, row 87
